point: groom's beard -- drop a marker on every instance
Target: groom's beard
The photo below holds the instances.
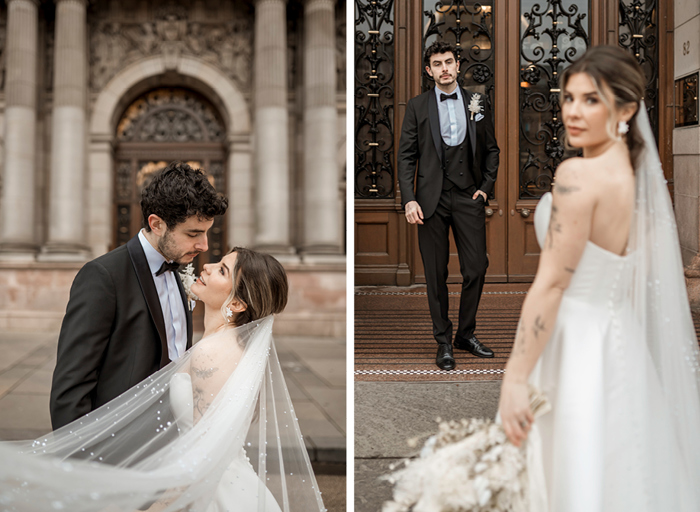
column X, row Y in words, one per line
column 169, row 249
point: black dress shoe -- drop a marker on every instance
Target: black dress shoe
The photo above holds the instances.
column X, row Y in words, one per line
column 445, row 360
column 474, row 346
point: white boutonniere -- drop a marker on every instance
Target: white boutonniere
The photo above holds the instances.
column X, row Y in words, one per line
column 474, row 106
column 188, row 278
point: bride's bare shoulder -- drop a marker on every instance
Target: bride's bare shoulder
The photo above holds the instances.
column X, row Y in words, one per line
column 573, row 179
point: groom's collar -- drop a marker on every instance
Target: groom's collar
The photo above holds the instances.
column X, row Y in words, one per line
column 153, row 257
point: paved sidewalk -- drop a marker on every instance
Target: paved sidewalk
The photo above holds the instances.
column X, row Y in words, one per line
column 314, row 369
column 388, row 414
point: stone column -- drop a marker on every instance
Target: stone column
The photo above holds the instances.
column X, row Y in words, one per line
column 17, row 237
column 272, row 194
column 66, row 240
column 322, row 230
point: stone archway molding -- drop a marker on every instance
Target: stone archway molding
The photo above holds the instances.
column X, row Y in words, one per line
column 106, row 111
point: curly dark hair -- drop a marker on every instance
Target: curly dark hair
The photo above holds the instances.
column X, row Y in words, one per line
column 438, row 47
column 178, row 192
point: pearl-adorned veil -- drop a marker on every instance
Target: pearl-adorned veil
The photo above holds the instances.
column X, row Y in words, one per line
column 168, row 441
column 660, row 307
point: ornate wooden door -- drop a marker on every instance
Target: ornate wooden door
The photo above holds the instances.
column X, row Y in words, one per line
column 161, row 126
column 513, row 51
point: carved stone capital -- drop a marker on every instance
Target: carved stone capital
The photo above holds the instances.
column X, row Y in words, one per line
column 33, row 3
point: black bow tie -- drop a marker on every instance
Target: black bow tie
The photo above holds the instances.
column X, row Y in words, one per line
column 167, row 267
column 444, row 97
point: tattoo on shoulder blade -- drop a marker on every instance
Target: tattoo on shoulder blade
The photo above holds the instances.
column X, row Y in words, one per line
column 570, row 270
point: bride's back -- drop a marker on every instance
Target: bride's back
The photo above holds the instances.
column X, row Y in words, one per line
column 610, row 180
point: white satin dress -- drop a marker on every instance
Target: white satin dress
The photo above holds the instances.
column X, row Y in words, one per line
column 607, row 444
column 240, row 485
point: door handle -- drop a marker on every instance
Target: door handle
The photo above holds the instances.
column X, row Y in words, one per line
column 489, row 212
column 525, row 213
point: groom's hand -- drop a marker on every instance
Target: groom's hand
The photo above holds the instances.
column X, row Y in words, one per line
column 479, row 193
column 414, row 214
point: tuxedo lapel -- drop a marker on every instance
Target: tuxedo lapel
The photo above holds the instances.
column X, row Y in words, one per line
column 471, row 123
column 188, row 312
column 148, row 287
column 435, row 123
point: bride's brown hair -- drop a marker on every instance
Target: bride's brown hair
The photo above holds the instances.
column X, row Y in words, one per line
column 260, row 282
column 613, row 68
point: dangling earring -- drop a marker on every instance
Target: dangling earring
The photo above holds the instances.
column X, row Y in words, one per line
column 229, row 314
column 623, row 127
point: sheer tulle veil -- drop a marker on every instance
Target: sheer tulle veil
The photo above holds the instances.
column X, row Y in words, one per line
column 144, row 448
column 660, row 304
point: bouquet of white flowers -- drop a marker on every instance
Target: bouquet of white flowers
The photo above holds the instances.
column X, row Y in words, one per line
column 468, row 466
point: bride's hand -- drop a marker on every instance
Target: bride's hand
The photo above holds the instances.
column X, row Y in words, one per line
column 514, row 408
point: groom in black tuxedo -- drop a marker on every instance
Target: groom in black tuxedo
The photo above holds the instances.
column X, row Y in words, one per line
column 128, row 315
column 449, row 132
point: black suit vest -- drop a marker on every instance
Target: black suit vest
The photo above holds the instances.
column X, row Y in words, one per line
column 456, row 166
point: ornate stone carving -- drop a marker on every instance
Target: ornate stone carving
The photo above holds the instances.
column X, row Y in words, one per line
column 117, row 42
column 170, row 115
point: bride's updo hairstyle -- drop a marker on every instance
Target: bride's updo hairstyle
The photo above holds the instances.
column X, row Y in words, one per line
column 260, row 282
column 616, row 70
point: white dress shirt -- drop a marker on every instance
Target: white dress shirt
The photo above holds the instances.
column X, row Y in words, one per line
column 171, row 304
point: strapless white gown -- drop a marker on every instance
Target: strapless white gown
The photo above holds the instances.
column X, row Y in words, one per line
column 607, row 445
column 239, row 486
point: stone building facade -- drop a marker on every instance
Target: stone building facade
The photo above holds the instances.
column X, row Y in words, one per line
column 686, row 139
column 95, row 96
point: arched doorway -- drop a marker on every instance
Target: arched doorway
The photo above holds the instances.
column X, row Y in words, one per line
column 163, row 125
column 160, row 126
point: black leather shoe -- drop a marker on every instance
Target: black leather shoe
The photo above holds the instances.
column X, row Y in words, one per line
column 474, row 346
column 444, row 359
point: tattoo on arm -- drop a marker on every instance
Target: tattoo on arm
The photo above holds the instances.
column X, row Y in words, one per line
column 538, row 327
column 570, row 270
column 554, row 226
column 201, row 399
column 204, row 373
column 562, row 189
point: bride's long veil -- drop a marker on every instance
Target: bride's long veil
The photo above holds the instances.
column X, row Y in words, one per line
column 660, row 305
column 222, row 410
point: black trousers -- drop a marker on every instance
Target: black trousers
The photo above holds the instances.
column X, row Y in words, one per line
column 466, row 217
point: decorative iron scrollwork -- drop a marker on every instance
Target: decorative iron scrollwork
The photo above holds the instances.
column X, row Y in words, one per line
column 469, row 27
column 170, row 115
column 552, row 37
column 639, row 34
column 374, row 98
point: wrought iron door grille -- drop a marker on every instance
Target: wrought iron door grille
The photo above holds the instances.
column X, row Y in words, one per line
column 553, row 35
column 638, row 33
column 374, row 99
column 469, row 27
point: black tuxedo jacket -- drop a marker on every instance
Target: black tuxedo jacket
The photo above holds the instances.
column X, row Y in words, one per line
column 421, row 142
column 113, row 333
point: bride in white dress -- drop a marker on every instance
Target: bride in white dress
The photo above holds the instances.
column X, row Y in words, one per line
column 605, row 331
column 214, row 431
